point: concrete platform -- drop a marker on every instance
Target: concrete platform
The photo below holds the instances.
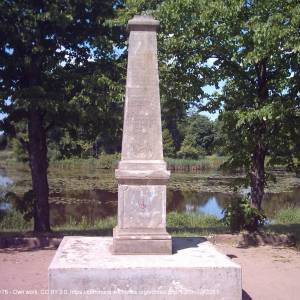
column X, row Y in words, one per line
column 85, row 268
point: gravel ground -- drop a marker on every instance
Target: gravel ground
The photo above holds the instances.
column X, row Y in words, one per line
column 269, row 273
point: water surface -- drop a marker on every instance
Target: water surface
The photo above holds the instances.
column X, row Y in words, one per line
column 92, row 194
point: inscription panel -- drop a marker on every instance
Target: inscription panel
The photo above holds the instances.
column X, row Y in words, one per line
column 143, row 206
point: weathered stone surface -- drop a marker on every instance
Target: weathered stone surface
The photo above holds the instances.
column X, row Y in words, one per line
column 141, row 220
column 142, row 139
column 142, row 206
column 85, row 266
column 142, row 174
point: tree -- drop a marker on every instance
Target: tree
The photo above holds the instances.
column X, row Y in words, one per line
column 189, row 148
column 181, row 78
column 168, row 144
column 97, row 111
column 202, row 131
column 219, row 139
column 252, row 48
column 3, row 141
column 258, row 62
column 46, row 49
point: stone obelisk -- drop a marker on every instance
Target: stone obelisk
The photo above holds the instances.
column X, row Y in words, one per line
column 142, row 174
column 88, row 268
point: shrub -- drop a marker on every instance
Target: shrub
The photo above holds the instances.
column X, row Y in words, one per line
column 108, row 161
column 3, row 141
column 168, row 143
column 24, row 205
column 19, row 152
column 240, row 215
column 189, row 149
column 14, row 220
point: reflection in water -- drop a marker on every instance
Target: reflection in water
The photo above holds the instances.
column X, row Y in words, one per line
column 275, row 202
column 94, row 203
column 4, row 180
column 99, row 204
column 73, row 205
column 212, row 207
column 207, row 203
column 5, row 206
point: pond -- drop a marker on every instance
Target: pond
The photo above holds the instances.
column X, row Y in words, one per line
column 99, row 204
column 94, row 195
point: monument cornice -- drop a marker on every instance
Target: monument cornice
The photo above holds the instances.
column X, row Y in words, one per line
column 159, row 176
column 143, row 23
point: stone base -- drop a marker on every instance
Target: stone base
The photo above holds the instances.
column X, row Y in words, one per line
column 145, row 242
column 85, row 268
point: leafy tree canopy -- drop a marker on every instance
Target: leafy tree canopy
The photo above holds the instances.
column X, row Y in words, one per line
column 55, row 57
column 253, row 48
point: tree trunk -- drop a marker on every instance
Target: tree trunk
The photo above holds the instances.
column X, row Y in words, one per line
column 257, row 172
column 257, row 176
column 39, row 166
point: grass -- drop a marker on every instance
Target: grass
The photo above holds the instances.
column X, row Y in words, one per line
column 110, row 161
column 193, row 224
column 189, row 165
column 287, row 221
column 84, row 224
column 177, row 223
column 105, row 161
column 5, row 155
column 288, row 216
column 14, row 221
column 191, row 220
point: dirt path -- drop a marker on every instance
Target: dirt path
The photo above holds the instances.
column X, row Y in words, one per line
column 268, row 273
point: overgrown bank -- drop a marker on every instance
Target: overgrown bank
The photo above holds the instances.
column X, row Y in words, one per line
column 110, row 161
column 286, row 222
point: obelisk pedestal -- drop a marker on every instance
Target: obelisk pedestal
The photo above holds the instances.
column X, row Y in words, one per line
column 142, row 174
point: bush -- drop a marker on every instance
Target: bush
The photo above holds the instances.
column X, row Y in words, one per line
column 3, row 141
column 19, row 152
column 189, row 149
column 24, row 205
column 108, row 161
column 168, row 143
column 240, row 215
column 189, row 152
column 14, row 220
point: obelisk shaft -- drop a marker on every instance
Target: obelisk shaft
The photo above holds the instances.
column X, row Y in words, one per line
column 142, row 173
column 142, row 138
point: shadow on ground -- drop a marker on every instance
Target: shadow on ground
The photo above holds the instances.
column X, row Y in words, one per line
column 245, row 296
column 275, row 235
column 30, row 241
column 180, row 243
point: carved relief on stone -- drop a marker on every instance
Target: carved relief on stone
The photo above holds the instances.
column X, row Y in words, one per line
column 143, row 206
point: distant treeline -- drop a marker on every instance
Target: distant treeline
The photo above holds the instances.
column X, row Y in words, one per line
column 195, row 136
